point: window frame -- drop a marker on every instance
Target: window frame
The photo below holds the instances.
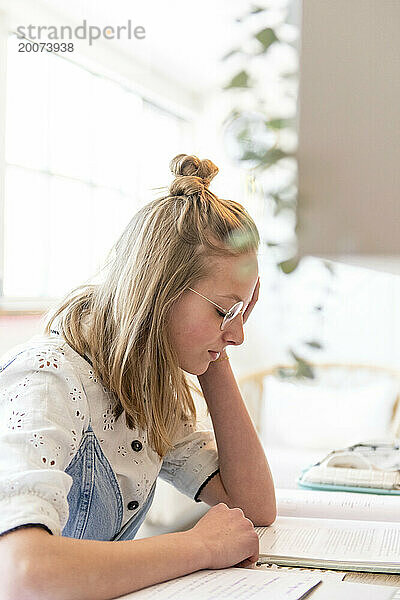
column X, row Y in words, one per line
column 10, row 305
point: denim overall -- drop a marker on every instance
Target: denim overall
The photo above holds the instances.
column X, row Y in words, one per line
column 95, row 499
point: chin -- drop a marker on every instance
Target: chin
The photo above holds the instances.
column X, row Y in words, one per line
column 196, row 370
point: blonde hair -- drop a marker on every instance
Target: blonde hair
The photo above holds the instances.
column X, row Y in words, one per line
column 164, row 250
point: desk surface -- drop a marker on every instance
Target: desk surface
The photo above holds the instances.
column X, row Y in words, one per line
column 333, row 577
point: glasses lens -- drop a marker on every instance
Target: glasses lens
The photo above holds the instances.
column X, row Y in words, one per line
column 231, row 314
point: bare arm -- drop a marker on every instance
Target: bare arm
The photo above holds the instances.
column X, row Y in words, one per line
column 35, row 565
column 245, row 478
column 60, row 568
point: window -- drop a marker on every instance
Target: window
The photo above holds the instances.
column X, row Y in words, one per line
column 82, row 154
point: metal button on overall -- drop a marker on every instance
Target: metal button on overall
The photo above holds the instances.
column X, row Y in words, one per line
column 133, row 504
column 136, row 445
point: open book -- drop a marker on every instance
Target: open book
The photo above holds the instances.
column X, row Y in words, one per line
column 337, row 505
column 338, row 531
column 246, row 584
column 243, row 584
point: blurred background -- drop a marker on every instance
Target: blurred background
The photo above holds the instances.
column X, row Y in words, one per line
column 297, row 103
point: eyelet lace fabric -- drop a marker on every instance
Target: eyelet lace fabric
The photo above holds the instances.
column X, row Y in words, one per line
column 49, row 395
column 191, row 461
column 43, row 412
column 40, row 498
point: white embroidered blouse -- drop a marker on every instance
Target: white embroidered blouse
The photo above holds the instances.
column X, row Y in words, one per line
column 48, row 393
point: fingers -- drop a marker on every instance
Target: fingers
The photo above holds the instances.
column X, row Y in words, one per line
column 237, row 509
column 229, row 536
column 248, row 563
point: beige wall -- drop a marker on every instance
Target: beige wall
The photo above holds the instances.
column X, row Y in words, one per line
column 349, row 127
column 15, row 330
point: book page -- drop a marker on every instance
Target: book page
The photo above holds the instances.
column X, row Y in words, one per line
column 382, row 579
column 229, row 584
column 337, row 505
column 329, row 539
column 373, row 578
column 325, row 574
column 352, row 591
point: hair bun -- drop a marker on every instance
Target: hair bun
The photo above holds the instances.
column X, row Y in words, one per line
column 185, row 185
column 192, row 174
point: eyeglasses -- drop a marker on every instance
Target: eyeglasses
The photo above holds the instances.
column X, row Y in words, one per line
column 228, row 315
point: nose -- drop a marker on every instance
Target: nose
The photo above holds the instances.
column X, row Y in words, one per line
column 233, row 332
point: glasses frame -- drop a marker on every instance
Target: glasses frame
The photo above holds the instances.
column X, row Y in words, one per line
column 226, row 319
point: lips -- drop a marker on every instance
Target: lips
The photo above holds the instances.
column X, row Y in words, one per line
column 214, row 355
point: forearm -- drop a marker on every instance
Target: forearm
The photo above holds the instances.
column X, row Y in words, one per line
column 244, row 469
column 62, row 568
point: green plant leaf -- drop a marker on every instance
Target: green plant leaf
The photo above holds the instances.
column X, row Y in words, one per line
column 281, row 205
column 241, row 80
column 257, row 9
column 251, row 155
column 272, row 156
column 279, row 123
column 304, row 369
column 231, row 53
column 288, row 266
column 266, row 37
column 285, row 373
column 253, row 11
column 314, row 344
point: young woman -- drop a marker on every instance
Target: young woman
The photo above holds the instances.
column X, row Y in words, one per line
column 99, row 406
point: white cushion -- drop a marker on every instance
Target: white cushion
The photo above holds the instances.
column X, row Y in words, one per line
column 341, row 406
